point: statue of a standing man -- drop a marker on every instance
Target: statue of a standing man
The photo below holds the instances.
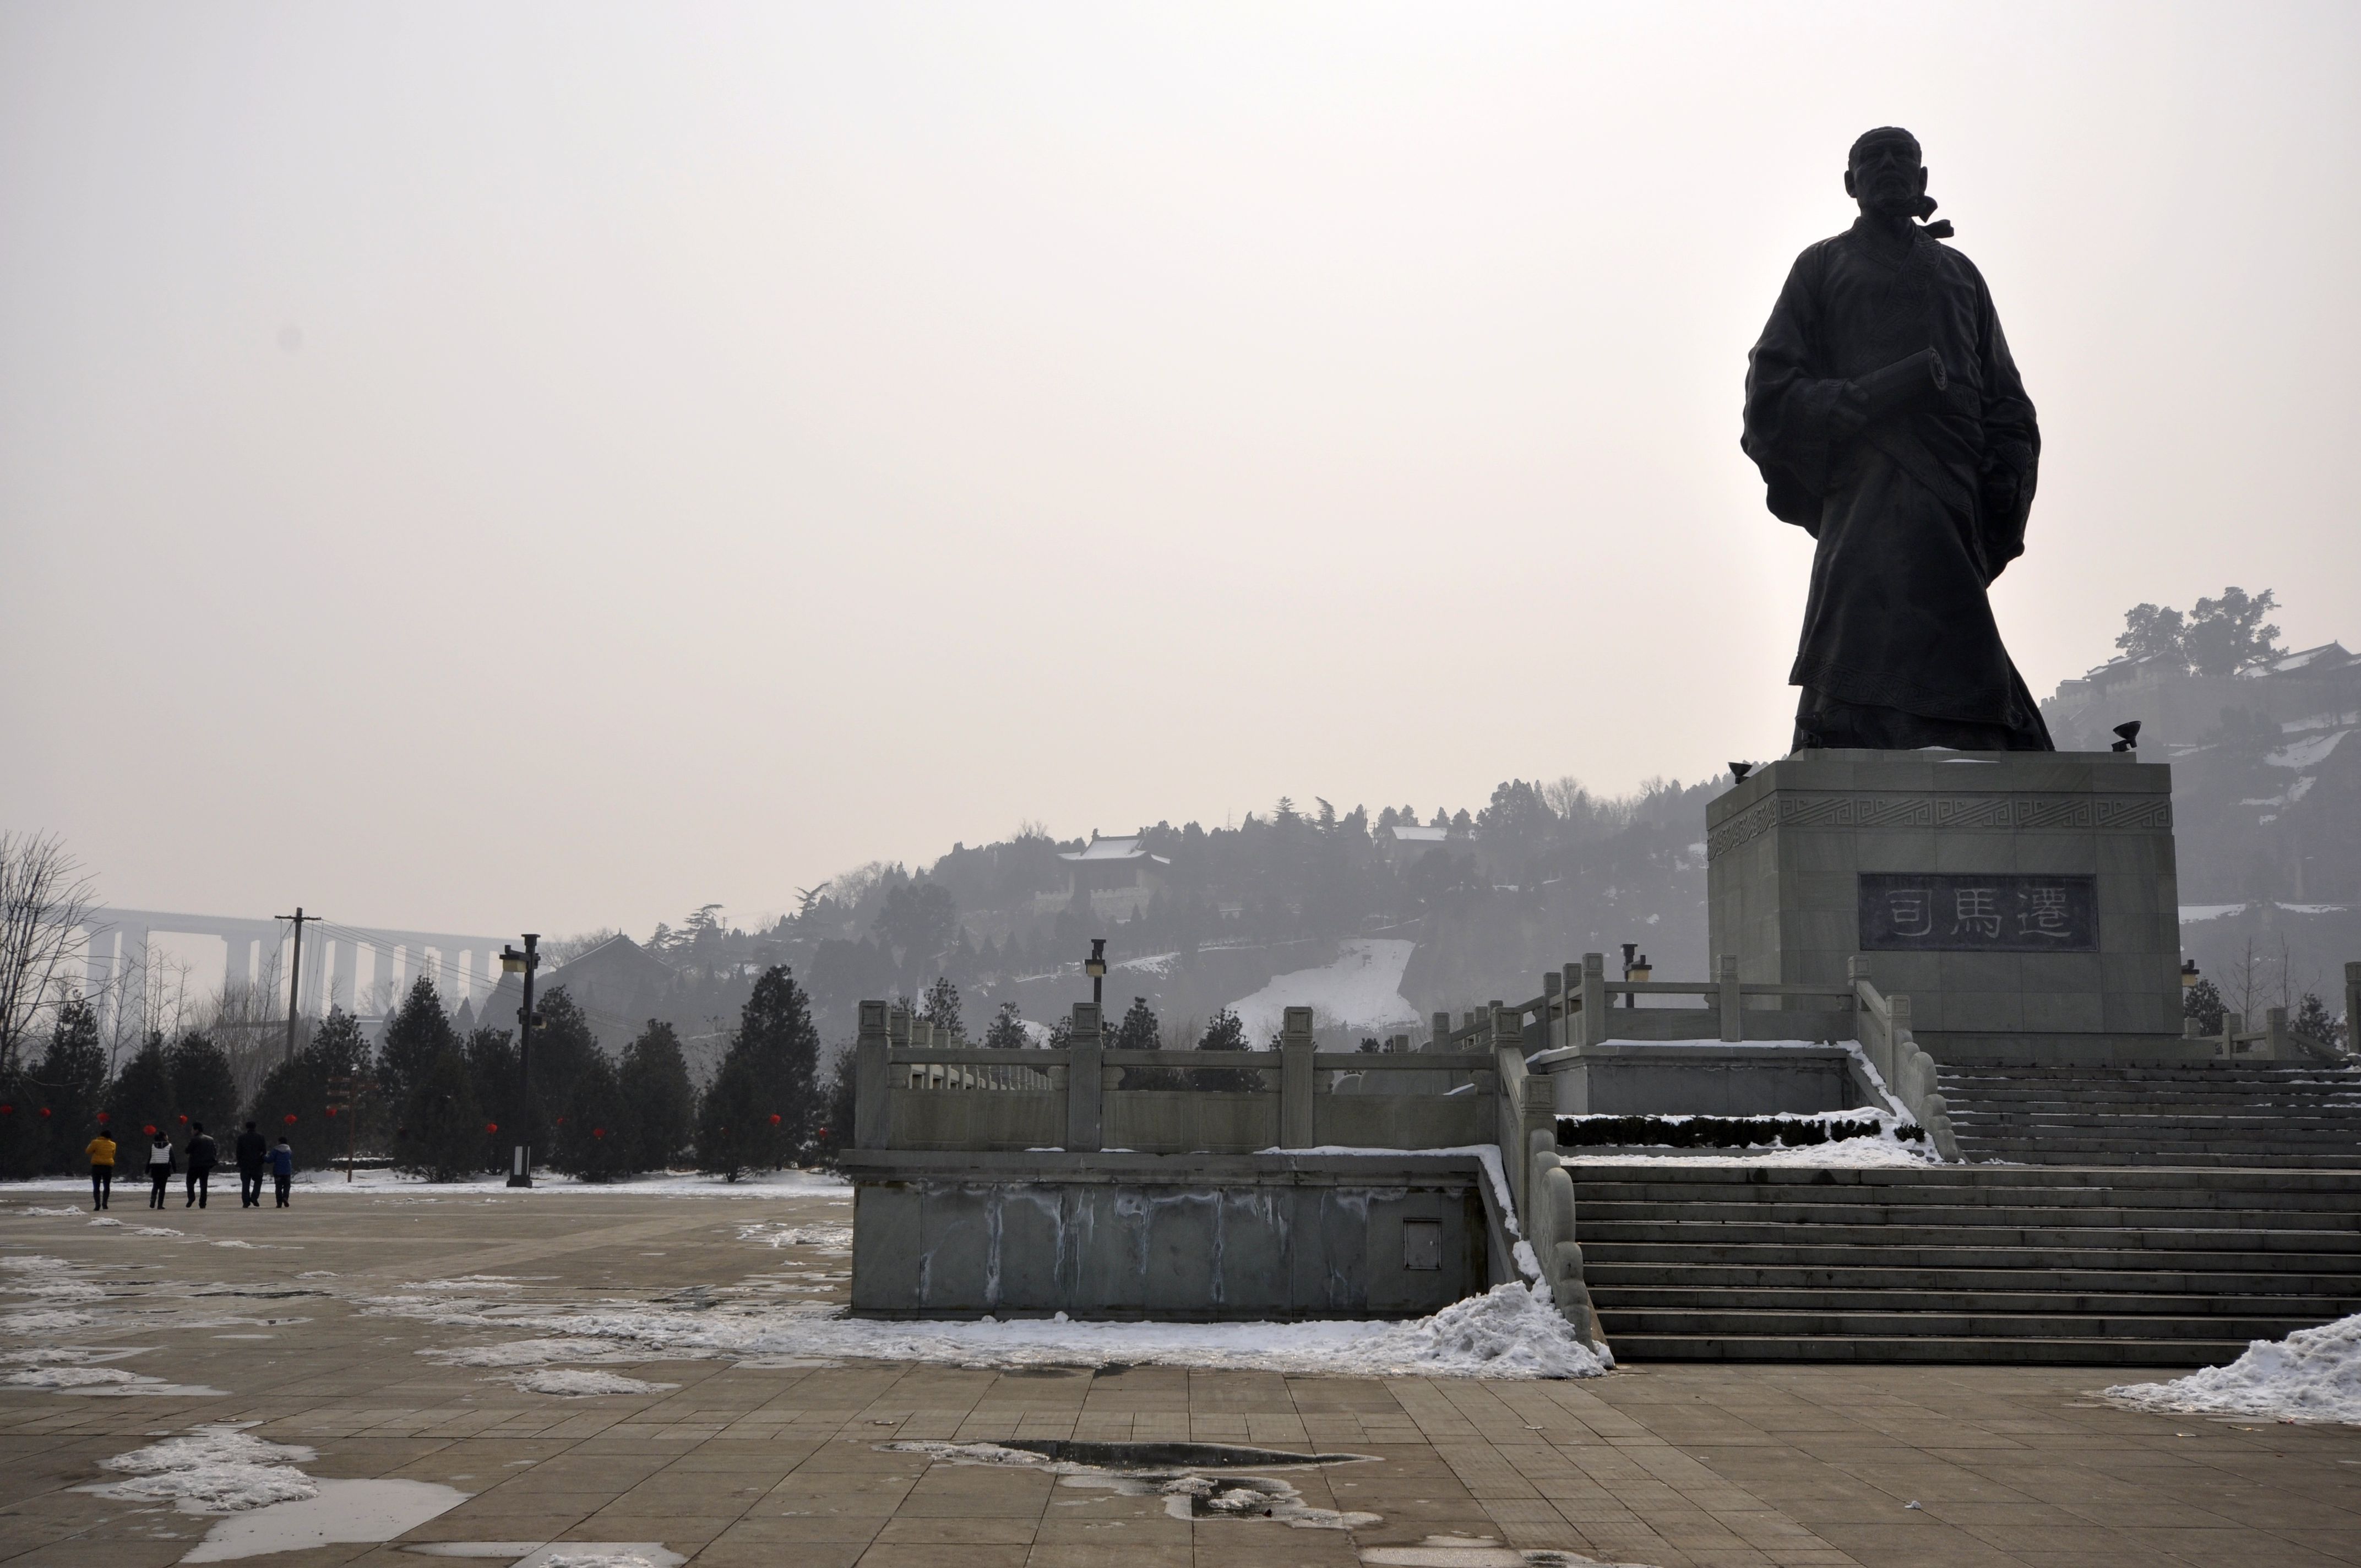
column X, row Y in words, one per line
column 1889, row 422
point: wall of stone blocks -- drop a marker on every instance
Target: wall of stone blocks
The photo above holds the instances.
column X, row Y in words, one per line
column 1236, row 1247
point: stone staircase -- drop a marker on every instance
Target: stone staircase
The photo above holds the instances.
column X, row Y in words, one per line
column 2261, row 1114
column 2101, row 1267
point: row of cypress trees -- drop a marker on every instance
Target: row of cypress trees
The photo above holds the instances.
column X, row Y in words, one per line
column 444, row 1105
column 51, row 1105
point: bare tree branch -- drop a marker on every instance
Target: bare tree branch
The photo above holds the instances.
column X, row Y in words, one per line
column 44, row 901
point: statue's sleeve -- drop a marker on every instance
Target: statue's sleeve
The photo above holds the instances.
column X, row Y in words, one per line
column 1790, row 409
column 2012, row 454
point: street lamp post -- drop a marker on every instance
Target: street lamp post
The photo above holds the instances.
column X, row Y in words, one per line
column 524, row 963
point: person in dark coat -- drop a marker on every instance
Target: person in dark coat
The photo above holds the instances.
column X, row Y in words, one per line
column 1914, row 471
column 252, row 1151
column 204, row 1155
column 282, row 1170
column 160, row 1161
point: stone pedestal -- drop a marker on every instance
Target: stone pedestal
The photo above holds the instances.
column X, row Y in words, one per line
column 2026, row 903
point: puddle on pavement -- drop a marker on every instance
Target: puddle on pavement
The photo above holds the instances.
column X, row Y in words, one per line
column 1476, row 1552
column 559, row 1554
column 1176, row 1472
column 1173, row 1455
column 343, row 1512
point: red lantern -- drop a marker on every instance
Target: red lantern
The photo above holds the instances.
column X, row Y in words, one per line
column 491, row 1126
column 598, row 1132
column 332, row 1113
column 45, row 1112
column 774, row 1118
column 185, row 1118
column 150, row 1129
column 823, row 1132
column 561, row 1121
column 290, row 1118
column 7, row 1110
column 102, row 1118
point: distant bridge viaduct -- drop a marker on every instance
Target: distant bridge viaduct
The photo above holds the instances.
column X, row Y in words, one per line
column 463, row 966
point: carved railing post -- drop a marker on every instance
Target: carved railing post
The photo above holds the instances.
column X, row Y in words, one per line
column 1298, row 1121
column 1733, row 1017
column 1085, row 1086
column 873, row 1081
column 1593, row 998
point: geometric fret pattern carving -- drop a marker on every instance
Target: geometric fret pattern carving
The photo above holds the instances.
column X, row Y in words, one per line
column 2037, row 813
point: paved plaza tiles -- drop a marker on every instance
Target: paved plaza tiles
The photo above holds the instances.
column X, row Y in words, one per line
column 732, row 1465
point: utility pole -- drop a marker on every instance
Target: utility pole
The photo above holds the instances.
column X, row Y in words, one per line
column 524, row 963
column 295, row 975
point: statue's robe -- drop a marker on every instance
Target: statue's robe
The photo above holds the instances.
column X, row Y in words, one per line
column 1914, row 514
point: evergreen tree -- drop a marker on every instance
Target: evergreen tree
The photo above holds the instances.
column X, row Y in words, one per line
column 835, row 1134
column 293, row 1099
column 563, row 1048
column 141, row 1096
column 1225, row 1032
column 941, row 1007
column 418, row 1033
column 71, row 1081
column 1139, row 1031
column 759, row 1111
column 491, row 1058
column 654, row 1076
column 600, row 1138
column 1007, row 1031
column 2314, row 1020
column 24, row 1136
column 441, row 1135
column 2203, row 1002
column 203, row 1088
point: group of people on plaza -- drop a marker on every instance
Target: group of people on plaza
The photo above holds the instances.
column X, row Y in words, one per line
column 201, row 1155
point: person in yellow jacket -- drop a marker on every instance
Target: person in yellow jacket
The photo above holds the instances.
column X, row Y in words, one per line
column 101, row 1169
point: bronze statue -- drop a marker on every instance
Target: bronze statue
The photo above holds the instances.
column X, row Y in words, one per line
column 1889, row 422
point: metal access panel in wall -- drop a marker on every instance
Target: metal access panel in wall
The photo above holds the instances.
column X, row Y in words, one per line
column 1422, row 1244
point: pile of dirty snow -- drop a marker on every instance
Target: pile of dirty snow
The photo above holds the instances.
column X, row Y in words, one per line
column 1512, row 1332
column 565, row 1381
column 2312, row 1375
column 213, row 1470
column 532, row 1353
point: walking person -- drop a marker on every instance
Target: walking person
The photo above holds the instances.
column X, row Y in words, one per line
column 159, row 1169
column 101, row 1150
column 252, row 1151
column 204, row 1155
column 283, row 1170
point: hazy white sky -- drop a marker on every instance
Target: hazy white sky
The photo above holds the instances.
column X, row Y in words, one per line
column 507, row 466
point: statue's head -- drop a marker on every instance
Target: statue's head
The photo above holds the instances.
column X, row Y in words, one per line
column 1883, row 174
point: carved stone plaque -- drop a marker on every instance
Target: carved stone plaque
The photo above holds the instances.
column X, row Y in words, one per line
column 1990, row 913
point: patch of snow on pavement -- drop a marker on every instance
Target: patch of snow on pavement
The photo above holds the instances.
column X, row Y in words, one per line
column 533, row 1353
column 215, row 1469
column 777, row 1234
column 24, row 1321
column 62, row 1378
column 2312, row 1375
column 570, row 1384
